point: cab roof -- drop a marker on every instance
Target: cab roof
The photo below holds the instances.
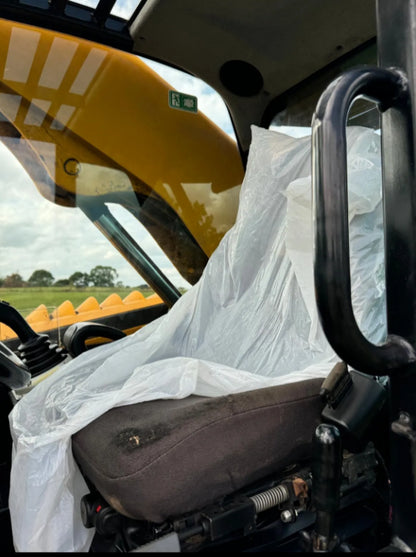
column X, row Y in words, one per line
column 251, row 53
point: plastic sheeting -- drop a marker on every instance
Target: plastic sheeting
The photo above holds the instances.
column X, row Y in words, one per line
column 249, row 322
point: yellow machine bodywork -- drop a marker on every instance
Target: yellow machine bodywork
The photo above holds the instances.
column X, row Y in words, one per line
column 90, row 309
column 99, row 121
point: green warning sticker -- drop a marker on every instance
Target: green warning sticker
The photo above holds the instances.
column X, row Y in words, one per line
column 182, row 101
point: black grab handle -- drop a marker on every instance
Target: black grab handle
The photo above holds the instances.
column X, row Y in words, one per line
column 330, row 198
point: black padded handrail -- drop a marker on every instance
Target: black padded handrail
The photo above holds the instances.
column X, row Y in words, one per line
column 330, row 198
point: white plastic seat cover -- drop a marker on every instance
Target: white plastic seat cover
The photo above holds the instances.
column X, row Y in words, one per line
column 250, row 322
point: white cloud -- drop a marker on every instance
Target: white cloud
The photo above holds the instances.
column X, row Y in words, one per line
column 37, row 234
column 122, row 8
column 125, row 8
column 89, row 3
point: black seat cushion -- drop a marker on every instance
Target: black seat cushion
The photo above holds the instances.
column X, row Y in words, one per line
column 159, row 459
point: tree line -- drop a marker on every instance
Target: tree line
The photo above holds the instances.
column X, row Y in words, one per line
column 101, row 275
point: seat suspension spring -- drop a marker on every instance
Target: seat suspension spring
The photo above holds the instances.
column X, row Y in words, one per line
column 270, row 498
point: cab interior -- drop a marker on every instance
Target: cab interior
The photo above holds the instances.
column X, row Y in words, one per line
column 178, row 174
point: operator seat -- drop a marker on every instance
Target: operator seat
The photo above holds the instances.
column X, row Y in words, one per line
column 160, row 459
column 253, row 309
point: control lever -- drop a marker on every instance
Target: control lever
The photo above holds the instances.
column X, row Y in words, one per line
column 36, row 351
column 326, row 474
column 14, row 374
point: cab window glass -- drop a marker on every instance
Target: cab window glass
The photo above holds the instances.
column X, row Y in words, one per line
column 294, row 116
column 100, row 164
column 294, row 110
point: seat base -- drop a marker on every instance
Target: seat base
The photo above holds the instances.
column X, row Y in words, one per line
column 160, row 459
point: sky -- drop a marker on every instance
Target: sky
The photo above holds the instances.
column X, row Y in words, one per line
column 34, row 232
column 122, row 8
column 125, row 8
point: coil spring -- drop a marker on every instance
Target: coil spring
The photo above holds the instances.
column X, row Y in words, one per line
column 270, row 498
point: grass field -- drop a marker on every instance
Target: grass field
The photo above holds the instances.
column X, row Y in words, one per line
column 27, row 299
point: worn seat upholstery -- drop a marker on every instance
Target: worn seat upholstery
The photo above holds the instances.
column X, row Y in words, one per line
column 160, row 459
